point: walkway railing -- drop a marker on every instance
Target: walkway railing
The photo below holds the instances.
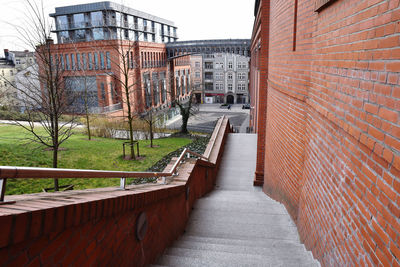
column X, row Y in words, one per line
column 12, row 172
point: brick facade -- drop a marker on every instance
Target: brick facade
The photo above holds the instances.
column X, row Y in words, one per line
column 145, row 63
column 332, row 134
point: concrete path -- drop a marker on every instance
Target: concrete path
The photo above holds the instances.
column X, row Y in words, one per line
column 237, row 224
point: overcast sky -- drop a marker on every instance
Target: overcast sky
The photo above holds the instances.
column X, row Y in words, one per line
column 204, row 19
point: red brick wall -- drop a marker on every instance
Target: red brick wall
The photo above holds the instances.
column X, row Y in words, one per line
column 97, row 227
column 332, row 145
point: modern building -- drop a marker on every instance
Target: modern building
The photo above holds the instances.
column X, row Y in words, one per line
column 326, row 108
column 111, row 47
column 109, row 21
column 225, row 78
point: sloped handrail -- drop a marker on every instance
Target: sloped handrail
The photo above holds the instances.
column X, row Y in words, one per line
column 13, row 172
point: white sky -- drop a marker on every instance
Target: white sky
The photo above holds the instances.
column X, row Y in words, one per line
column 196, row 20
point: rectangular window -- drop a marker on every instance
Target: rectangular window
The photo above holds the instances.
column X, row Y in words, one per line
column 230, row 65
column 78, row 61
column 230, row 87
column 197, row 64
column 208, row 65
column 73, row 65
column 108, row 59
column 113, row 93
column 98, row 34
column 96, row 61
column 84, row 62
column 62, row 62
column 230, row 77
column 103, row 94
column 90, row 57
column 197, row 74
column 102, row 66
column 67, row 61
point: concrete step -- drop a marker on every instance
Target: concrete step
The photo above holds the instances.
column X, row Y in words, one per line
column 190, row 257
column 248, row 218
column 281, row 249
column 256, row 243
column 257, row 207
column 240, row 230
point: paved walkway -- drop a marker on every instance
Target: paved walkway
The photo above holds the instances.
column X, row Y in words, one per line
column 237, row 224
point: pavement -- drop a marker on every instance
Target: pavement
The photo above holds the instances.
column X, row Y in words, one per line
column 205, row 119
column 237, row 224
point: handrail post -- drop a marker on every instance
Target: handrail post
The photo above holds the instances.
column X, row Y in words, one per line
column 123, row 183
column 2, row 189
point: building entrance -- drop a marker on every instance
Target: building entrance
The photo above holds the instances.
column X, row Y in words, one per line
column 229, row 99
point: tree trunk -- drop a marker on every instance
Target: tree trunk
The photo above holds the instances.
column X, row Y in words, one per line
column 131, row 135
column 55, row 163
column 151, row 129
column 185, row 117
column 87, row 111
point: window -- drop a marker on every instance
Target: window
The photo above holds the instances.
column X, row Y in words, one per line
column 197, row 64
column 208, row 65
column 90, row 57
column 219, row 76
column 197, row 74
column 230, row 65
column 62, row 23
column 98, row 34
column 80, row 35
column 108, row 59
column 209, row 86
column 241, row 76
column 64, row 36
column 84, row 63
column 241, row 87
column 67, row 61
column 208, row 75
column 145, row 36
column 78, row 61
column 102, row 60
column 96, row 61
column 79, row 20
column 18, row 61
column 62, row 62
column 219, row 65
column 219, row 86
column 103, row 94
column 230, row 87
column 230, row 77
column 97, row 18
column 73, row 65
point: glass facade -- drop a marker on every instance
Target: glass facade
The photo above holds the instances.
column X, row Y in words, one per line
column 79, row 20
column 95, row 26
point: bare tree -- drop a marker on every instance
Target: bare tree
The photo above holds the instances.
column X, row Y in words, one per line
column 182, row 97
column 44, row 94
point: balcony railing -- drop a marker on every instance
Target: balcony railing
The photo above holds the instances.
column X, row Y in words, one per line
column 12, row 172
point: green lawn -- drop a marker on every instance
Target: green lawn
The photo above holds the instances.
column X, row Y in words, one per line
column 80, row 153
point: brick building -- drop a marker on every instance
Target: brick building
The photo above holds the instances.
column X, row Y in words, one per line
column 105, row 45
column 325, row 93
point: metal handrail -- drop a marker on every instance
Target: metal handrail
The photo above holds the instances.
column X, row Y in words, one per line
column 12, row 172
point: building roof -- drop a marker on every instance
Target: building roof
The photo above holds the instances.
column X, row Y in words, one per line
column 22, row 53
column 107, row 5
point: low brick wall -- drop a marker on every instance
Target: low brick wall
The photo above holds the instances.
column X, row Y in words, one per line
column 98, row 226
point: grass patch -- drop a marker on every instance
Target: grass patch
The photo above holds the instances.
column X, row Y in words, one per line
column 79, row 153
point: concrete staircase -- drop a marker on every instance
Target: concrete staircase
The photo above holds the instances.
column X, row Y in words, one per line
column 237, row 224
